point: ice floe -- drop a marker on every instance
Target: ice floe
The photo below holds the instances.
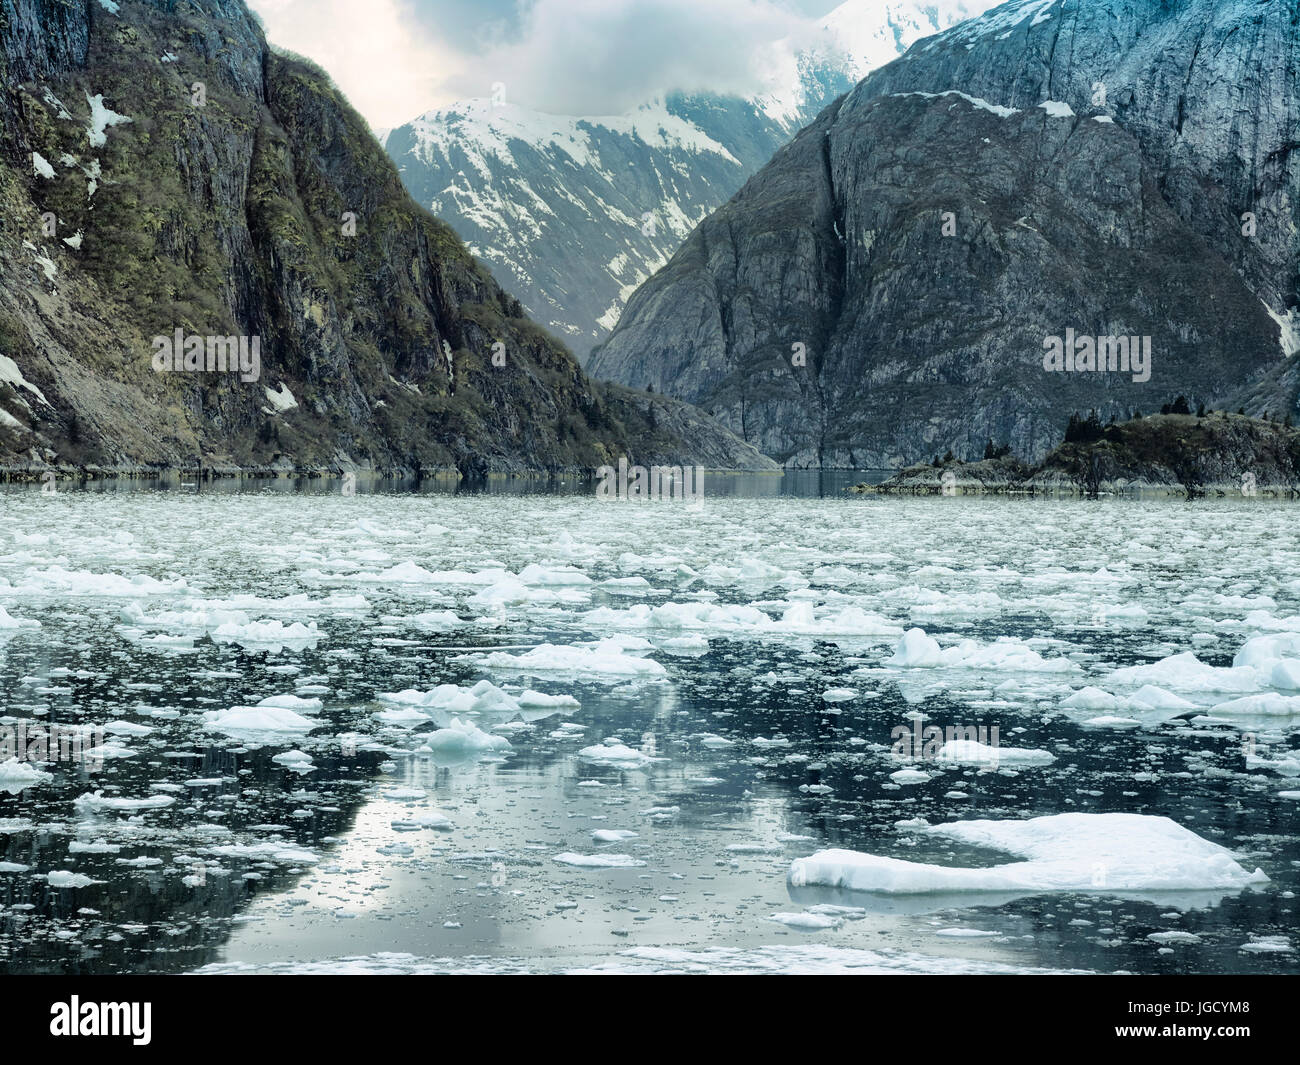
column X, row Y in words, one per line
column 916, row 650
column 616, row 755
column 257, row 721
column 599, row 861
column 1080, row 852
column 465, row 736
column 16, row 775
column 603, row 660
column 972, row 752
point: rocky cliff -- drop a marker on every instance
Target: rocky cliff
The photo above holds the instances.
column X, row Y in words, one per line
column 888, row 287
column 165, row 176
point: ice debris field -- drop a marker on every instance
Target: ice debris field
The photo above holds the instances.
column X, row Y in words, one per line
column 267, row 732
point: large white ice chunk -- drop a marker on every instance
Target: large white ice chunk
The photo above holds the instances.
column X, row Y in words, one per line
column 918, row 650
column 257, row 720
column 617, row 755
column 1063, row 852
column 971, row 752
column 1187, row 673
column 605, row 658
column 465, row 736
column 16, row 775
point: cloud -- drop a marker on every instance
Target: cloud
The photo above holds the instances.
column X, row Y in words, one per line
column 388, row 72
column 396, row 59
column 607, row 56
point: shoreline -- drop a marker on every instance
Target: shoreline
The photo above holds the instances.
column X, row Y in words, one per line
column 219, row 473
column 1144, row 490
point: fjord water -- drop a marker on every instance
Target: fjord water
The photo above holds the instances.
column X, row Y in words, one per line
column 372, row 834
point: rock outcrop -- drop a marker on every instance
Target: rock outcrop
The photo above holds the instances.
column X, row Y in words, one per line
column 1172, row 454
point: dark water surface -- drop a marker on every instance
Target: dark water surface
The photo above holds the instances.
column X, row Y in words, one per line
column 259, row 862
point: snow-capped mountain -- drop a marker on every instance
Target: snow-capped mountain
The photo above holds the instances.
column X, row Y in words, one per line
column 572, row 213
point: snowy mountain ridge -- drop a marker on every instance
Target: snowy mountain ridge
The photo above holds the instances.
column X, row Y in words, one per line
column 572, row 213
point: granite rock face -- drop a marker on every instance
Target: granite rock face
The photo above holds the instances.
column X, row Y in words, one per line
column 162, row 170
column 883, row 290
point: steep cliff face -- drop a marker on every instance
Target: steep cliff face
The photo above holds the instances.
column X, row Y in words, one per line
column 163, row 171
column 1210, row 89
column 882, row 291
column 916, row 247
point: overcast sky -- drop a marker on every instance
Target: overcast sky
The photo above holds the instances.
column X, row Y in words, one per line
column 398, row 58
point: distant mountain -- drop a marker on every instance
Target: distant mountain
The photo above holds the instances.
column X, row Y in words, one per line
column 163, row 172
column 1074, row 169
column 572, row 213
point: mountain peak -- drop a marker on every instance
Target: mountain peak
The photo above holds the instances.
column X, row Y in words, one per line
column 572, row 212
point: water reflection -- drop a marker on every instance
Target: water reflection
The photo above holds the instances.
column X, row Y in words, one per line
column 723, row 484
column 256, row 860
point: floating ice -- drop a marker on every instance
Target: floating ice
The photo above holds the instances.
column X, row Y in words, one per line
column 16, row 775
column 916, row 650
column 1091, row 698
column 604, row 659
column 615, row 754
column 429, row 621
column 484, row 698
column 300, row 704
column 64, row 878
column 971, row 752
column 800, row 619
column 599, row 861
column 553, row 576
column 1269, row 704
column 465, row 736
column 96, row 801
column 1185, row 672
column 12, row 623
column 1111, row 721
column 257, row 720
column 1093, row 853
column 58, row 582
column 271, row 635
column 1267, row 945
column 807, row 922
column 272, row 851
